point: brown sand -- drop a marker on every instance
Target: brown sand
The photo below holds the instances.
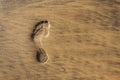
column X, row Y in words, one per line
column 84, row 41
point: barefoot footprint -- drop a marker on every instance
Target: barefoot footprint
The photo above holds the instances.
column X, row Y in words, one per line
column 40, row 32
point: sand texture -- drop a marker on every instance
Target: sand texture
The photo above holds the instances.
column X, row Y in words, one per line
column 84, row 40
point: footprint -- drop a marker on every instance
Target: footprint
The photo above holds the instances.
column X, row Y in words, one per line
column 40, row 32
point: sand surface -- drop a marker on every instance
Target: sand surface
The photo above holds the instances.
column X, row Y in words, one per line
column 84, row 40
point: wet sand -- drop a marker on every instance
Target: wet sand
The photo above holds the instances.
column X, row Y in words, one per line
column 84, row 40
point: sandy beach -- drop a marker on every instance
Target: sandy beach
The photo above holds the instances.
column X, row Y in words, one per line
column 84, row 40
